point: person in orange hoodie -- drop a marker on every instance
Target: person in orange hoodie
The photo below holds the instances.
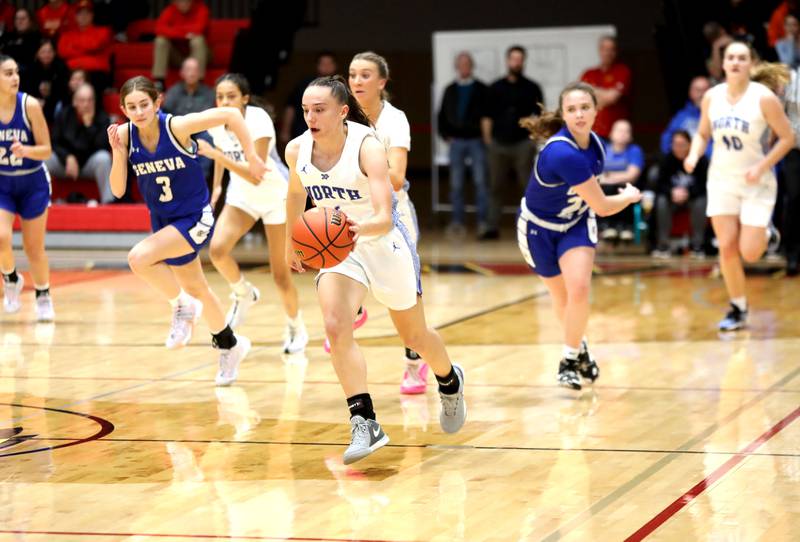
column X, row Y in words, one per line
column 87, row 47
column 54, row 17
column 180, row 29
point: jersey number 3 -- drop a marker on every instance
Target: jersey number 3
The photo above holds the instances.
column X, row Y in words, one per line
column 166, row 191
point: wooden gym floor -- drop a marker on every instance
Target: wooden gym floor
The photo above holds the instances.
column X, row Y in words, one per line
column 106, row 435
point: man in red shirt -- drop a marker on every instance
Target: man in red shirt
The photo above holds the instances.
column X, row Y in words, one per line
column 54, row 17
column 180, row 29
column 87, row 47
column 612, row 84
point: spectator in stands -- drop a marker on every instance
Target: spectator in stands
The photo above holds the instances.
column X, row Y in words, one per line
column 464, row 103
column 718, row 39
column 293, row 124
column 687, row 118
column 22, row 41
column 54, row 17
column 791, row 173
column 118, row 14
column 511, row 98
column 47, row 79
column 788, row 47
column 80, row 142
column 7, row 13
column 88, row 47
column 189, row 95
column 776, row 28
column 677, row 190
column 180, row 32
column 76, row 79
column 612, row 85
column 624, row 164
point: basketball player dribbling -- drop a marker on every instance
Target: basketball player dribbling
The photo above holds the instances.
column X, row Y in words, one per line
column 248, row 200
column 742, row 188
column 557, row 229
column 163, row 157
column 341, row 164
column 24, row 190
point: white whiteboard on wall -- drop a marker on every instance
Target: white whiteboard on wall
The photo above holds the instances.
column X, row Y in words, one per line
column 556, row 56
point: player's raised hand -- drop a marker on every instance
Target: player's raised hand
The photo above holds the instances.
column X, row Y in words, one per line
column 114, row 139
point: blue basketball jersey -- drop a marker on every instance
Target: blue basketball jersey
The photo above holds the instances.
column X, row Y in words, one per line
column 170, row 179
column 560, row 165
column 18, row 129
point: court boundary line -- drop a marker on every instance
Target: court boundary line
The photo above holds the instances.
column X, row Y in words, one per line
column 639, row 478
column 201, row 536
column 432, row 446
column 684, row 500
column 243, row 381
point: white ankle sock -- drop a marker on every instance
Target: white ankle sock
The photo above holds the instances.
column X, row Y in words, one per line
column 297, row 321
column 570, row 352
column 240, row 288
column 740, row 303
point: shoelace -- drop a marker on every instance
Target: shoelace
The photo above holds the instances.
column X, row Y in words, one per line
column 224, row 362
column 361, row 433
column 450, row 404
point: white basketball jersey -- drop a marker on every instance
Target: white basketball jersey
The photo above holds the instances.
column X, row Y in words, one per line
column 344, row 186
column 739, row 131
column 259, row 125
column 392, row 127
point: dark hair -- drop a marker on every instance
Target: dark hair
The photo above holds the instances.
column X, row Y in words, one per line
column 342, row 94
column 139, row 82
column 242, row 84
column 549, row 122
column 682, row 133
column 380, row 62
column 3, row 58
column 518, row 48
column 325, row 53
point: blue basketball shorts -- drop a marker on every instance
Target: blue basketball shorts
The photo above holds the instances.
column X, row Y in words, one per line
column 542, row 248
column 26, row 195
column 197, row 228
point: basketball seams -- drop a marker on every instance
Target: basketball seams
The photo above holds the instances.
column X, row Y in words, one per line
column 321, row 248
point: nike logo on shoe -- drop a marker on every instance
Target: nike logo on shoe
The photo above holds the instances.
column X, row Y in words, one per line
column 376, row 431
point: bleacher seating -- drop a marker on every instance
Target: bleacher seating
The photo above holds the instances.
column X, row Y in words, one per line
column 131, row 59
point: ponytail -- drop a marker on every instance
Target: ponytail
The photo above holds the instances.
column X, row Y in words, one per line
column 772, row 75
column 343, row 96
column 548, row 123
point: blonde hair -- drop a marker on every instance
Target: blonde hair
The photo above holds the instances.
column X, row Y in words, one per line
column 380, row 62
column 772, row 75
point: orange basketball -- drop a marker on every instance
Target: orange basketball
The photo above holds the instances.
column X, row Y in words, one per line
column 322, row 238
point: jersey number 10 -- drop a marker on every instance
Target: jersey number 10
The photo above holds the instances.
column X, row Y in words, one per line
column 732, row 143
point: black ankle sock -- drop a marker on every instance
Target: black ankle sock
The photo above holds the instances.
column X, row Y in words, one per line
column 43, row 291
column 361, row 405
column 11, row 277
column 224, row 340
column 410, row 354
column 448, row 384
